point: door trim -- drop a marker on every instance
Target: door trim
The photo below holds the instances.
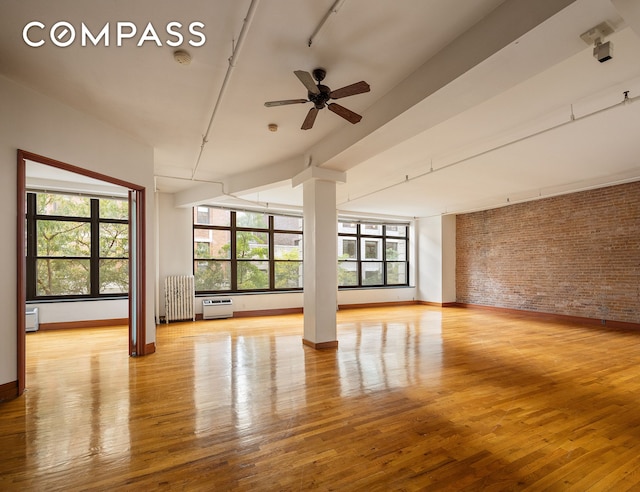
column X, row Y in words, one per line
column 138, row 308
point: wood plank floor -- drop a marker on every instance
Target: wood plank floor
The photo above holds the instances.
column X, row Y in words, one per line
column 414, row 398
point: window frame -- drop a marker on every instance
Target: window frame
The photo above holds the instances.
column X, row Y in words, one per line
column 233, row 261
column 362, row 237
column 95, row 221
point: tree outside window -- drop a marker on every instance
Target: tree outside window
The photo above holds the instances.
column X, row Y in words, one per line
column 76, row 246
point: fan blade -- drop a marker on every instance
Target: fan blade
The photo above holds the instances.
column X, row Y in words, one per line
column 350, row 90
column 270, row 104
column 307, row 80
column 347, row 114
column 310, row 119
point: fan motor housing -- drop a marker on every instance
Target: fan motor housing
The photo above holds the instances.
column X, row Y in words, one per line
column 320, row 100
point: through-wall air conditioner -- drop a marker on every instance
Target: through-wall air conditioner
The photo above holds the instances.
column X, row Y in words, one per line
column 217, row 308
column 32, row 323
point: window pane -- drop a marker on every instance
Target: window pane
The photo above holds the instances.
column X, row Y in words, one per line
column 211, row 216
column 253, row 275
column 347, row 248
column 62, row 277
column 372, row 249
column 288, row 274
column 287, row 246
column 252, row 245
column 372, row 273
column 347, row 273
column 212, row 243
column 114, row 209
column 396, row 230
column 348, row 227
column 254, row 220
column 284, row 223
column 114, row 276
column 65, row 205
column 62, row 238
column 396, row 273
column 114, row 240
column 212, row 275
column 371, row 229
column 396, row 249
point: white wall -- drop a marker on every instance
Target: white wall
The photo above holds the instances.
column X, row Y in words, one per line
column 59, row 312
column 175, row 243
column 38, row 124
column 436, row 237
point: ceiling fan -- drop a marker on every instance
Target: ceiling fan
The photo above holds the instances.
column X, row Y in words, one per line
column 320, row 95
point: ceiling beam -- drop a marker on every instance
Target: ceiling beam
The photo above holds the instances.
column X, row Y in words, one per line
column 502, row 27
column 630, row 11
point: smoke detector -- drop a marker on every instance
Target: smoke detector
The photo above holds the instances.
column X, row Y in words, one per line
column 182, row 57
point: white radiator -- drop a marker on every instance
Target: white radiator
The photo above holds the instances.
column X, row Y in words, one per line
column 220, row 307
column 179, row 292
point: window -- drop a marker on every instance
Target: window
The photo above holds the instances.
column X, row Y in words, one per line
column 246, row 251
column 372, row 254
column 77, row 246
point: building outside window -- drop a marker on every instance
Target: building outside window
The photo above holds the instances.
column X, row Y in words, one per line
column 77, row 246
column 381, row 259
column 244, row 251
column 238, row 251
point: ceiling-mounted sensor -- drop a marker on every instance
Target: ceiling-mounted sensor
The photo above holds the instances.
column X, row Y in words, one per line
column 182, row 57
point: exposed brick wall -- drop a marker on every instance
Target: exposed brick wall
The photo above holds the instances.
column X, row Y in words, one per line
column 576, row 255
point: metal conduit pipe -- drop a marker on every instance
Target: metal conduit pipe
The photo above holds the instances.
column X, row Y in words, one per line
column 333, row 10
column 232, row 63
column 626, row 100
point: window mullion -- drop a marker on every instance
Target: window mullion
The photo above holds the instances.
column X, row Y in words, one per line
column 359, row 267
column 384, row 255
column 271, row 254
column 94, row 262
column 234, row 260
column 32, row 244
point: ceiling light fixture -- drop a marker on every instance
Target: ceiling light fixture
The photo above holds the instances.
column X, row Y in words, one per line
column 602, row 51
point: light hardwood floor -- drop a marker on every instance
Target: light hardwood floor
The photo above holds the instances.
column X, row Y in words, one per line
column 414, row 398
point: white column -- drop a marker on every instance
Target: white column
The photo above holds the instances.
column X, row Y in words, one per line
column 320, row 255
column 437, row 259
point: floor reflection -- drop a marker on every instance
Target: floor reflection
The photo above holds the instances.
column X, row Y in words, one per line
column 76, row 403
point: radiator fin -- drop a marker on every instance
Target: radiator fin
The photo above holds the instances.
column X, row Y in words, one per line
column 179, row 298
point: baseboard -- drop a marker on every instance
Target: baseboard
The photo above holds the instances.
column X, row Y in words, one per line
column 299, row 310
column 321, row 345
column 267, row 312
column 437, row 304
column 93, row 323
column 9, row 391
column 377, row 304
column 622, row 325
column 150, row 348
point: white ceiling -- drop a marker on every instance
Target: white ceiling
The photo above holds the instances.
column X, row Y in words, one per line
column 469, row 108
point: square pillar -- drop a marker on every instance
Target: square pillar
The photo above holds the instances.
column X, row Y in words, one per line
column 320, row 255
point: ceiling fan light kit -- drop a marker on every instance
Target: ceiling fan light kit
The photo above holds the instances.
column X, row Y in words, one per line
column 320, row 95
